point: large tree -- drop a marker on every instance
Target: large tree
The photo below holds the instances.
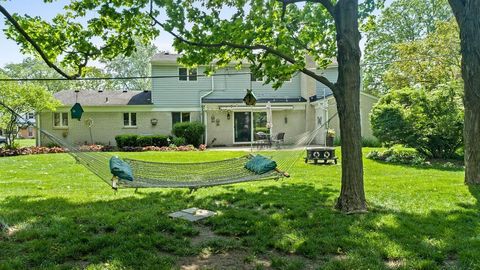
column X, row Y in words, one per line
column 402, row 21
column 467, row 14
column 34, row 68
column 428, row 62
column 135, row 65
column 277, row 39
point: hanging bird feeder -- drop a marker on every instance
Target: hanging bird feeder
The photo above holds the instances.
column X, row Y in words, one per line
column 250, row 99
column 76, row 111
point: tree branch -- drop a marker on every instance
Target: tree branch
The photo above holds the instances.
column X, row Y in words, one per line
column 273, row 51
column 34, row 44
column 326, row 3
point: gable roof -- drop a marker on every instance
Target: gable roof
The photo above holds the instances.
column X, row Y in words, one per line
column 105, row 98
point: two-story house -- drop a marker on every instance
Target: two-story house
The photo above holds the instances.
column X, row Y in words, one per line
column 182, row 94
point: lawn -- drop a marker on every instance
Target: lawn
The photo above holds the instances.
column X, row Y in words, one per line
column 59, row 215
column 25, row 142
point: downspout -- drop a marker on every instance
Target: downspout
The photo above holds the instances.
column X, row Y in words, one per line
column 38, row 141
column 202, row 113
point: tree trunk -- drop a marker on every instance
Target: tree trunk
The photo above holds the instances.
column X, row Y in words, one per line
column 467, row 14
column 347, row 96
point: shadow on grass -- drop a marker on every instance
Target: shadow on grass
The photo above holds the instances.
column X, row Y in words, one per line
column 135, row 232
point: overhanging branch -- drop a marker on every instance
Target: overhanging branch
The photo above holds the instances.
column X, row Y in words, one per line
column 35, row 45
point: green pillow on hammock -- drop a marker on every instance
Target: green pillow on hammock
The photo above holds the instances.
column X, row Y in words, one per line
column 121, row 169
column 260, row 164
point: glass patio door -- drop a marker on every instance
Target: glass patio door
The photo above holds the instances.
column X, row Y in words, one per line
column 242, row 126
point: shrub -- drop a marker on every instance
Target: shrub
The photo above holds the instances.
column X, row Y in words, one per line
column 191, row 131
column 126, row 140
column 431, row 121
column 371, row 142
column 52, row 144
column 160, row 140
column 366, row 142
column 337, row 141
column 262, row 129
column 179, row 141
column 143, row 141
column 399, row 156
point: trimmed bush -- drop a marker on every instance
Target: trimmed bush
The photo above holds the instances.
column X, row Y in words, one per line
column 126, row 140
column 160, row 140
column 191, row 131
column 179, row 141
column 129, row 140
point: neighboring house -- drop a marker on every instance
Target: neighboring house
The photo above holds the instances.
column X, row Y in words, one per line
column 26, row 129
column 300, row 105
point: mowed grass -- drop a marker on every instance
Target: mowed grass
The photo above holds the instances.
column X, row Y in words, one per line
column 25, row 142
column 60, row 216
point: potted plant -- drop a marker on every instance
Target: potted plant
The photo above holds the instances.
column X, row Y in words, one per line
column 330, row 137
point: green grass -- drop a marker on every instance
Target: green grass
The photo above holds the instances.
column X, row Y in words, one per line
column 61, row 216
column 25, row 142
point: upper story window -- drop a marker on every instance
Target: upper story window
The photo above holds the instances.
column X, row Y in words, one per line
column 129, row 119
column 30, row 116
column 179, row 117
column 60, row 120
column 187, row 74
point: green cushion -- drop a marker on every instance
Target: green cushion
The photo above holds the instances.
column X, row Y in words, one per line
column 260, row 164
column 121, row 169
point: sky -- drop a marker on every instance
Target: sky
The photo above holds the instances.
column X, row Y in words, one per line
column 10, row 51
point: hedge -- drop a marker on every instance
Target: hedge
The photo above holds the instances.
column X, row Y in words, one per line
column 130, row 140
column 191, row 131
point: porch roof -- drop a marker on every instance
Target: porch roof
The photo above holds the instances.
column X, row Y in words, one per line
column 260, row 100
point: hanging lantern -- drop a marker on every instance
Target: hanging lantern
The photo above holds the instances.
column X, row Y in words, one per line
column 76, row 111
column 250, row 99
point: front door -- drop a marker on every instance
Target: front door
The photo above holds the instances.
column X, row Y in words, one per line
column 242, row 126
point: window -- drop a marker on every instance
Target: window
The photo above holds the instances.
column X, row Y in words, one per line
column 178, row 117
column 254, row 78
column 130, row 119
column 60, row 120
column 187, row 74
column 30, row 116
column 30, row 131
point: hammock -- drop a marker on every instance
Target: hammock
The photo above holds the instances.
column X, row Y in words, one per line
column 148, row 174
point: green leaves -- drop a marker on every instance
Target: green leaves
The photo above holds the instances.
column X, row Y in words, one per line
column 73, row 43
column 402, row 21
column 430, row 121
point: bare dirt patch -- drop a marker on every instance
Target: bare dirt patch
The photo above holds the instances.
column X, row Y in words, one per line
column 394, row 263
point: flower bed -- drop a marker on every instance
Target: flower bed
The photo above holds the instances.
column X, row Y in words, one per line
column 35, row 150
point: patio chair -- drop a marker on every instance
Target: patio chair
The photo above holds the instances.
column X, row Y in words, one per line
column 279, row 139
column 261, row 139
